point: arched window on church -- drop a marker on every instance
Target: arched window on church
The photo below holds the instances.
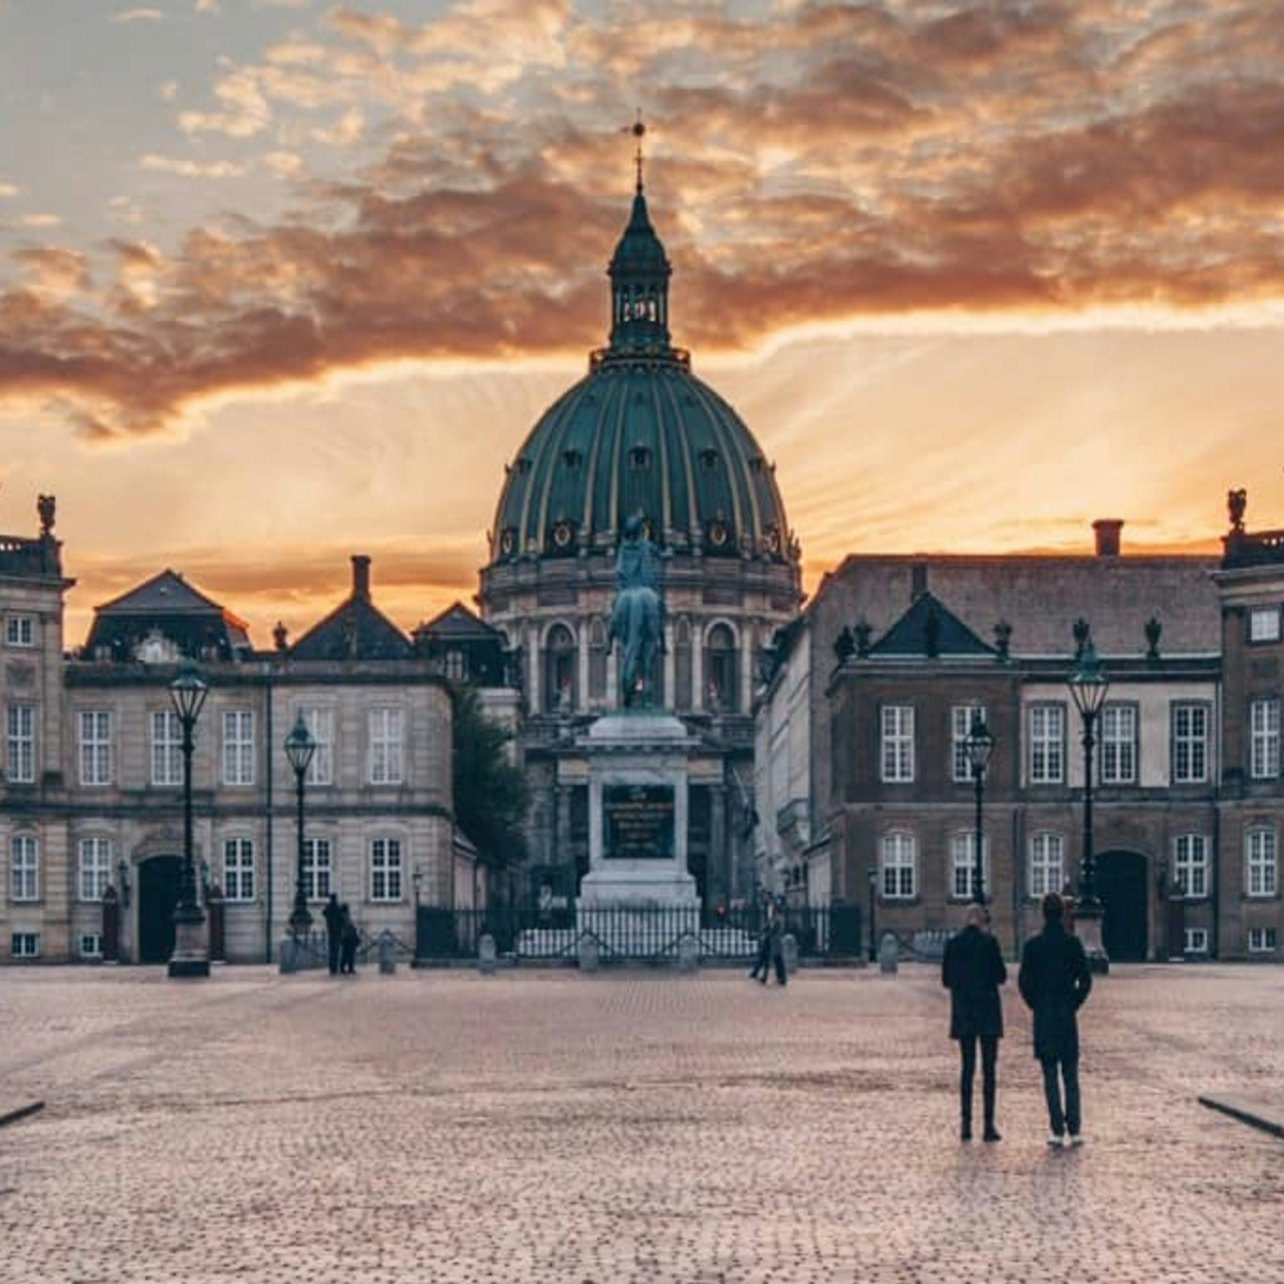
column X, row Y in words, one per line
column 682, row 664
column 721, row 670
column 559, row 670
column 597, row 662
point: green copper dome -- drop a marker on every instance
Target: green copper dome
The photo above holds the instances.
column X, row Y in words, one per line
column 640, row 435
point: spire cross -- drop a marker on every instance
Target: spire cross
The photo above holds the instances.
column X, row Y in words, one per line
column 638, row 130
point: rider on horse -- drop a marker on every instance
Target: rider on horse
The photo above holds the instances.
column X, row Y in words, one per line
column 637, row 615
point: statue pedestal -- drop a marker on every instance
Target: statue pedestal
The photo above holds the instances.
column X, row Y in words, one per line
column 638, row 767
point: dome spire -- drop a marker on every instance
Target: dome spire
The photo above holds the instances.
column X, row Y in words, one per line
column 639, row 275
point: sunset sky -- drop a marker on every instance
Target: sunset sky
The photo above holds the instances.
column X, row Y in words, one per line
column 284, row 280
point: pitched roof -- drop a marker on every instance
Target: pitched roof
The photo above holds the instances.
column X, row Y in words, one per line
column 168, row 606
column 356, row 629
column 165, row 594
column 457, row 622
column 929, row 628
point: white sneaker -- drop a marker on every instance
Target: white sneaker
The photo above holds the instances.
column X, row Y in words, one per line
column 1055, row 1142
column 1076, row 1139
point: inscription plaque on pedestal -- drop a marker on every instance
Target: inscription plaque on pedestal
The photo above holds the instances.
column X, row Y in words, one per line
column 637, row 822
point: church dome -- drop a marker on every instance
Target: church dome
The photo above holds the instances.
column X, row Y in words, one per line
column 640, row 435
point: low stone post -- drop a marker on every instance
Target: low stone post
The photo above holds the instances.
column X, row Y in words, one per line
column 888, row 953
column 789, row 953
column 387, row 953
column 688, row 953
column 590, row 954
column 486, row 954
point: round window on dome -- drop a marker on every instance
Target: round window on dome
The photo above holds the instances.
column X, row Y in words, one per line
column 718, row 533
column 508, row 541
column 562, row 535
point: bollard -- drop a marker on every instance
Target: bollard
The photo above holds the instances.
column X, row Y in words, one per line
column 387, row 953
column 789, row 953
column 887, row 953
column 486, row 954
column 590, row 955
column 290, row 956
column 688, row 953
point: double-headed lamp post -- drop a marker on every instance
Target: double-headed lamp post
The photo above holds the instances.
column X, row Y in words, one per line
column 190, row 957
column 1088, row 686
column 980, row 745
column 299, row 748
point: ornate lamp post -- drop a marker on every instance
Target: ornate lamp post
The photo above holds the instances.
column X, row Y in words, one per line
column 299, row 748
column 188, row 693
column 980, row 745
column 1088, row 686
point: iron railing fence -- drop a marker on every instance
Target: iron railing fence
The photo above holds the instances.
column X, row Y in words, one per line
column 643, row 932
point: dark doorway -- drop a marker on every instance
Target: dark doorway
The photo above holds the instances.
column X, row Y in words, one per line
column 1121, row 884
column 158, row 881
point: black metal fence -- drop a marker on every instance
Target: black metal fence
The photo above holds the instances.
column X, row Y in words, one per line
column 636, row 933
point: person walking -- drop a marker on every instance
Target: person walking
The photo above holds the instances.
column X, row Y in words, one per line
column 333, row 916
column 349, row 936
column 762, row 964
column 972, row 971
column 1054, row 981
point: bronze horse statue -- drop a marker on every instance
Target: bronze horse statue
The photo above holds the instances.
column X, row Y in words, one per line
column 637, row 614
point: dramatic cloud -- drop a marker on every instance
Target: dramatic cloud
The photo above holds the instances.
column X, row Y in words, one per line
column 828, row 163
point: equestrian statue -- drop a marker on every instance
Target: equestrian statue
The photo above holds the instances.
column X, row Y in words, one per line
column 637, row 614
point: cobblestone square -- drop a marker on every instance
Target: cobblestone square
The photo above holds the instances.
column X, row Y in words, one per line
column 622, row 1127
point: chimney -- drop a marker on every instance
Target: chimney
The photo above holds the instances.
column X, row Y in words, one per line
column 1107, row 531
column 361, row 577
column 918, row 580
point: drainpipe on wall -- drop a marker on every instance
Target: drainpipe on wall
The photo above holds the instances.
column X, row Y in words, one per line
column 267, row 836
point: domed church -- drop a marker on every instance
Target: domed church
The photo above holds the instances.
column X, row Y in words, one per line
column 640, row 436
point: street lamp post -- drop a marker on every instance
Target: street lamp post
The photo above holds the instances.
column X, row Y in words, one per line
column 1088, row 686
column 299, row 748
column 980, row 745
column 190, row 958
column 873, row 893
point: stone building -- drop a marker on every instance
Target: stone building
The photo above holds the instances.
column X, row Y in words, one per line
column 91, row 805
column 867, row 793
column 642, row 436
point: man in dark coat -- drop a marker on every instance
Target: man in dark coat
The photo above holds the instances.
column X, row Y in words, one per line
column 333, row 916
column 972, row 971
column 1054, row 982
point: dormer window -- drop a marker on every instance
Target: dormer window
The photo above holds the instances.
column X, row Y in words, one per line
column 639, row 458
column 523, row 465
column 709, row 459
column 572, row 459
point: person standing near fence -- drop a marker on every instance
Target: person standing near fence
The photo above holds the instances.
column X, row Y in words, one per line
column 972, row 971
column 1054, row 981
column 333, row 916
column 348, row 943
column 762, row 963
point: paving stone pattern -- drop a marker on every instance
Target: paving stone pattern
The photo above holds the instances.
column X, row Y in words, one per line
column 621, row 1128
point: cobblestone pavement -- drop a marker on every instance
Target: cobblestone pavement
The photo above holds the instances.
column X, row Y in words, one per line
column 647, row 1127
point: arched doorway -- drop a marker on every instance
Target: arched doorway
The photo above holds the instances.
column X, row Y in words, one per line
column 158, row 880
column 1121, row 884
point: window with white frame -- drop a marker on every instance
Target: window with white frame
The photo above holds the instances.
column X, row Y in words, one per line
column 1261, row 940
column 21, row 747
column 1264, row 738
column 320, row 722
column 385, row 869
column 1195, row 940
column 1047, row 744
column 1047, row 862
column 962, row 717
column 238, row 746
column 95, row 868
column 20, row 630
column 95, row 746
column 1190, row 864
column 386, row 746
column 1264, row 624
column 24, row 868
column 899, row 866
column 91, row 945
column 1190, row 743
column 25, row 945
column 317, row 869
column 455, row 664
column 963, row 864
column 1261, row 874
column 167, row 748
column 238, row 869
column 1118, row 744
column 897, row 754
